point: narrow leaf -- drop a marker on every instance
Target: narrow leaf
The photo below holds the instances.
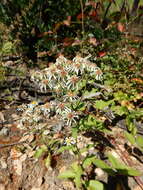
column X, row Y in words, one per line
column 67, row 174
column 139, row 141
column 95, row 185
column 130, row 137
column 101, row 164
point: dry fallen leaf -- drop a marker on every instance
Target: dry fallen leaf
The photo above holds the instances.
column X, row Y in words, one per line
column 3, row 164
column 2, row 117
column 28, row 138
column 15, row 154
column 17, row 166
column 101, row 54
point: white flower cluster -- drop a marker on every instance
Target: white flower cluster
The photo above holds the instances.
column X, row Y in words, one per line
column 34, row 114
column 65, row 74
column 63, row 79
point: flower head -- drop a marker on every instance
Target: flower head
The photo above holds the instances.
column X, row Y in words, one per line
column 51, row 72
column 70, row 96
column 99, row 74
column 61, row 107
column 70, row 141
column 69, row 116
column 61, row 60
column 72, row 82
column 46, row 109
column 62, row 75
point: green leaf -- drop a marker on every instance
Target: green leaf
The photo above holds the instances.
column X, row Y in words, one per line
column 74, row 132
column 88, row 161
column 7, row 47
column 2, row 73
column 119, row 96
column 48, row 161
column 131, row 172
column 77, row 168
column 139, row 141
column 81, row 84
column 78, row 171
column 115, row 162
column 78, row 181
column 63, row 148
column 130, row 137
column 101, row 164
column 130, row 124
column 119, row 110
column 100, row 104
column 95, row 185
column 89, row 122
column 79, row 105
column 67, row 174
column 40, row 151
column 122, row 168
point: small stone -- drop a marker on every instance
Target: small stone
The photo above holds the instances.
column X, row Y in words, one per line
column 68, row 185
column 4, row 132
column 3, row 164
column 99, row 172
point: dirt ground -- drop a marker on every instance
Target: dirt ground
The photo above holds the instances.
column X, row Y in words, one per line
column 20, row 171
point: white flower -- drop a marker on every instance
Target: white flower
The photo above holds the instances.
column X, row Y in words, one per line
column 61, row 107
column 91, row 67
column 51, row 73
column 36, row 118
column 72, row 82
column 70, row 141
column 99, row 75
column 77, row 68
column 46, row 109
column 58, row 89
column 78, row 59
column 82, row 61
column 62, row 75
column 44, row 84
column 61, row 60
column 42, row 87
column 70, row 96
column 94, row 70
column 68, row 66
column 37, row 76
column 69, row 116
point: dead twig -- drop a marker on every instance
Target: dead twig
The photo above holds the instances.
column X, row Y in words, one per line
column 11, row 144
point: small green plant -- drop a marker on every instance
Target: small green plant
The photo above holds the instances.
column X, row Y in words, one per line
column 78, row 171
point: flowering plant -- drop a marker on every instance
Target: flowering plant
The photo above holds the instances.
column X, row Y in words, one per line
column 67, row 80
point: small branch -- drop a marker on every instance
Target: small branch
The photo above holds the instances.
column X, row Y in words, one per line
column 82, row 12
column 102, row 87
column 11, row 144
